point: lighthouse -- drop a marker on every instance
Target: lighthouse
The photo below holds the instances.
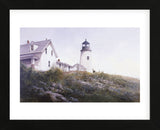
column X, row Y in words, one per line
column 85, row 57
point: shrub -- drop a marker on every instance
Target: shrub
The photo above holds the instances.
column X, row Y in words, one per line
column 85, row 76
column 53, row 75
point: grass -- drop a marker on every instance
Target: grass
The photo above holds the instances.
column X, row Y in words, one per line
column 76, row 86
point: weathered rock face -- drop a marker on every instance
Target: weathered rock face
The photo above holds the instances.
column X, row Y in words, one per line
column 72, row 99
column 56, row 96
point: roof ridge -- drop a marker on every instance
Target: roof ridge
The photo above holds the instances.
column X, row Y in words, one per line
column 35, row 42
column 43, row 40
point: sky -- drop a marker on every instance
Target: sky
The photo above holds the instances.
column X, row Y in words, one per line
column 114, row 50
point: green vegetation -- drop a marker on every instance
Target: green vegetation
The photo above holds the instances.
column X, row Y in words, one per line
column 57, row 86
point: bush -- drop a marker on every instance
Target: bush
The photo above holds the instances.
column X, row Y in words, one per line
column 53, row 75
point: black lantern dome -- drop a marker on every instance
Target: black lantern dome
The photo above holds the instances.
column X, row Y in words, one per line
column 86, row 46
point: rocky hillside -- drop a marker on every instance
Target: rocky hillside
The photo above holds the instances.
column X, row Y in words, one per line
column 57, row 86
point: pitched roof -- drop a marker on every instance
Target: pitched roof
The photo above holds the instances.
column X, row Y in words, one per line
column 25, row 48
column 25, row 52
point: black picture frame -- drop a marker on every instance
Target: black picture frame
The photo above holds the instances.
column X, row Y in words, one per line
column 152, row 124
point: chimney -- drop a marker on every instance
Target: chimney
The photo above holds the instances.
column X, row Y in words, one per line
column 27, row 41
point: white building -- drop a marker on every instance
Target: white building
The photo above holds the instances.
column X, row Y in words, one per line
column 39, row 55
column 85, row 57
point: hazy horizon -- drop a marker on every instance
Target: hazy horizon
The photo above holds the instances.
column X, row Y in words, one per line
column 114, row 50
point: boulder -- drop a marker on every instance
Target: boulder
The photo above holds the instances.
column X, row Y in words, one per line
column 56, row 97
column 72, row 99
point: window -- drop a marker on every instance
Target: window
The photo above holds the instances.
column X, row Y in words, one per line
column 48, row 63
column 46, row 50
column 52, row 53
column 87, row 57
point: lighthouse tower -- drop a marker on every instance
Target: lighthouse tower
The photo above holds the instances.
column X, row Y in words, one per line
column 85, row 57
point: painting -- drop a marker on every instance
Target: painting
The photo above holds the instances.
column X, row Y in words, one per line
column 80, row 65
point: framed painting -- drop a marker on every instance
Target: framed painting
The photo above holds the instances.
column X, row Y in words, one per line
column 86, row 63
